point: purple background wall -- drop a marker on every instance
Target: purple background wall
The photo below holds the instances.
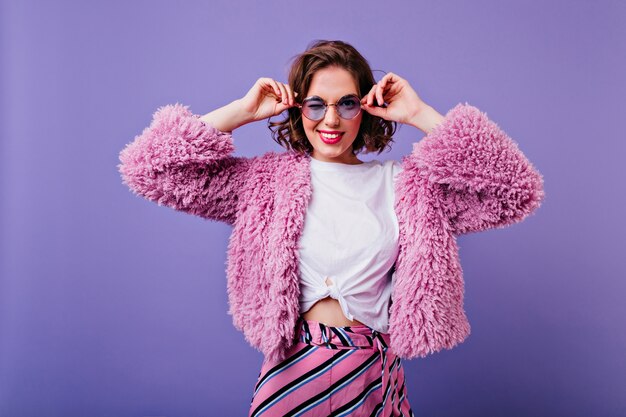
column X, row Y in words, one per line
column 113, row 306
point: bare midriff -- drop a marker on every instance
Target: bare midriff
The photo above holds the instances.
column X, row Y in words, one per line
column 328, row 311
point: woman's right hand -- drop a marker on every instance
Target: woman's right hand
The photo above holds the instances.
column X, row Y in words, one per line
column 267, row 98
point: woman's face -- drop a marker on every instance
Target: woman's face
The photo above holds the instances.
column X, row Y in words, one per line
column 331, row 84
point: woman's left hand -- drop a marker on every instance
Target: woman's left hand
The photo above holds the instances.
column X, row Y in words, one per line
column 403, row 103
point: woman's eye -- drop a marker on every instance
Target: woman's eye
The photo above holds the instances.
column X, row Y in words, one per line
column 315, row 106
column 348, row 103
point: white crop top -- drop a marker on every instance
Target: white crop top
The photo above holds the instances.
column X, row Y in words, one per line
column 350, row 239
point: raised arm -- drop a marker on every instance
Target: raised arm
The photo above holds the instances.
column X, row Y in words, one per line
column 184, row 161
column 486, row 181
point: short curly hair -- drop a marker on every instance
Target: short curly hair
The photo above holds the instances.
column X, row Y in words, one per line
column 375, row 133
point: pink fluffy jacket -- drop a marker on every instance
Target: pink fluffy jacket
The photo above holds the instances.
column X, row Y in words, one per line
column 466, row 175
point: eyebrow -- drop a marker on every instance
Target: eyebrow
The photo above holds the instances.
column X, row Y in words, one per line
column 325, row 101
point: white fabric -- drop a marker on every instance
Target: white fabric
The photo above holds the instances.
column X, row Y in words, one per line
column 350, row 237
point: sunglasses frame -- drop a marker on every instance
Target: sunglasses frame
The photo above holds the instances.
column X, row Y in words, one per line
column 326, row 105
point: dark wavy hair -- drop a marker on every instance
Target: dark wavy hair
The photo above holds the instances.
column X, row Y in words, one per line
column 374, row 134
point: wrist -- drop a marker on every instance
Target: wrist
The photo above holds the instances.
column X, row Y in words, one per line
column 227, row 118
column 238, row 114
column 426, row 119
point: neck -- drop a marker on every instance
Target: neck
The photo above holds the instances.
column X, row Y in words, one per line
column 351, row 160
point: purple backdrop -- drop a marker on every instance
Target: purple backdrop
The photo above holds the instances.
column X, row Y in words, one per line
column 113, row 306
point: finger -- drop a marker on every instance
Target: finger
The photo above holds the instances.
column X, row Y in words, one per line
column 291, row 99
column 375, row 110
column 284, row 97
column 276, row 88
column 267, row 84
column 392, row 85
column 388, row 81
column 384, row 84
column 369, row 98
column 379, row 93
column 390, row 78
column 280, row 107
column 282, row 94
column 264, row 85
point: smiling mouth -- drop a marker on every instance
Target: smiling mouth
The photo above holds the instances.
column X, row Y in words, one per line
column 330, row 137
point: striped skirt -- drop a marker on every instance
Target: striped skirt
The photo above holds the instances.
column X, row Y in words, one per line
column 333, row 371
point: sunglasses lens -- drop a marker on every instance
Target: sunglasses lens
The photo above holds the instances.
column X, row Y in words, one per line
column 349, row 107
column 314, row 109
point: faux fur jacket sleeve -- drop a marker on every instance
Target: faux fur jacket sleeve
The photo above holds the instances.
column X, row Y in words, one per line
column 180, row 162
column 484, row 180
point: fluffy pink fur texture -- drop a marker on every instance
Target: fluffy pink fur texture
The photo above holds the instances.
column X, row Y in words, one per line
column 466, row 175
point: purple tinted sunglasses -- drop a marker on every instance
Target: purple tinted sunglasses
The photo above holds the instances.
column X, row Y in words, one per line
column 314, row 108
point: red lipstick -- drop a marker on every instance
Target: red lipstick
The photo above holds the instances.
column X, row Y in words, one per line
column 330, row 137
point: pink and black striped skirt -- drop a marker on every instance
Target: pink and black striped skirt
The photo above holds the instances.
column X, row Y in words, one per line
column 333, row 371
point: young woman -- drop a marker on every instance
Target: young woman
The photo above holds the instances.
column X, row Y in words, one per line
column 338, row 268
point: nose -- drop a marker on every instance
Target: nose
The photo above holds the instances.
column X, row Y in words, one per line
column 331, row 118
